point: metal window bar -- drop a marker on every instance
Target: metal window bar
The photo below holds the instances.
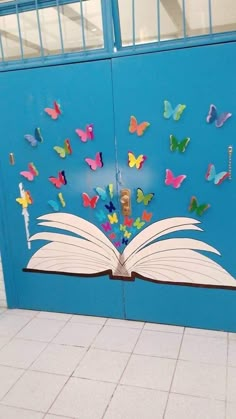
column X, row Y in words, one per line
column 210, row 16
column 158, row 21
column 60, row 26
column 116, row 24
column 19, row 30
column 184, row 19
column 133, row 23
column 39, row 29
column 1, row 48
column 82, row 25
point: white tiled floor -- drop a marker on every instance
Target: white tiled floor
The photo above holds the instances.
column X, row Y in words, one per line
column 56, row 366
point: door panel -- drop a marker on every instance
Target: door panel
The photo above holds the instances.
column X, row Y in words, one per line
column 85, row 94
column 195, row 77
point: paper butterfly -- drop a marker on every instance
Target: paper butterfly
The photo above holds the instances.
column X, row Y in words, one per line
column 55, row 205
column 127, row 234
column 138, row 223
column 146, row 216
column 125, row 241
column 113, row 218
column 63, row 151
column 94, row 164
column 55, row 111
column 194, row 207
column 138, row 128
column 128, row 221
column 146, row 199
column 117, row 244
column 111, row 190
column 31, row 173
column 174, row 181
column 25, row 200
column 86, row 135
column 218, row 119
column 100, row 215
column 106, row 226
column 112, row 236
column 110, row 207
column 175, row 113
column 122, row 227
column 178, row 145
column 89, row 202
column 218, row 178
column 34, row 140
column 58, row 181
column 136, row 162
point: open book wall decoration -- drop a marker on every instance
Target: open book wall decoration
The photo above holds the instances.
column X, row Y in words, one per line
column 88, row 252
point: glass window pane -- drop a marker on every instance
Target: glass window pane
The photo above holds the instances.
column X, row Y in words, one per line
column 50, row 31
column 10, row 37
column 197, row 17
column 223, row 15
column 171, row 19
column 30, row 34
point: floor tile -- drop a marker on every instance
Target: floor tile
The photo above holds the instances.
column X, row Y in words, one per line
column 114, row 338
column 204, row 349
column 10, row 325
column 200, row 379
column 231, row 411
column 53, row 316
column 232, row 353
column 125, row 323
column 56, row 417
column 88, row 319
column 163, row 328
column 136, row 403
column 42, row 330
column 4, row 340
column 231, row 385
column 205, row 332
column 161, row 344
column 187, row 407
column 58, row 359
column 232, row 336
column 7, row 412
column 77, row 334
column 8, row 377
column 35, row 390
column 149, row 372
column 83, row 399
column 24, row 313
column 102, row 365
column 20, row 353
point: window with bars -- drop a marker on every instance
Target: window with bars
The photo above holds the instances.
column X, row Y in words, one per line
column 43, row 29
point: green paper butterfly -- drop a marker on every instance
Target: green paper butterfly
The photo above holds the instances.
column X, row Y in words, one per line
column 146, row 199
column 199, row 209
column 175, row 113
column 178, row 145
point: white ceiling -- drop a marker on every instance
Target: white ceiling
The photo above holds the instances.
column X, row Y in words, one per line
column 197, row 23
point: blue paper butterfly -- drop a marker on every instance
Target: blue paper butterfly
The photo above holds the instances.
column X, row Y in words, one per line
column 218, row 178
column 175, row 113
column 34, row 140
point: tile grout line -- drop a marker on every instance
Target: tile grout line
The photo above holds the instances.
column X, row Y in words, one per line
column 71, row 375
column 118, row 382
column 173, row 376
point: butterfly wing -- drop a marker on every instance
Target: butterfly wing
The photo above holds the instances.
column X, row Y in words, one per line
column 32, row 141
column 62, row 177
column 82, row 134
column 101, row 192
column 67, row 146
column 33, row 169
column 178, row 112
column 54, row 205
column 55, row 181
column 111, row 190
column 178, row 180
column 212, row 114
column 60, row 151
column 220, row 177
column 98, row 159
column 22, row 201
column 169, row 177
column 90, row 132
column 93, row 201
column 61, row 199
column 211, row 172
column 141, row 128
column 38, row 135
column 201, row 209
column 140, row 195
column 173, row 143
column 193, row 204
column 146, row 216
column 168, row 111
column 86, row 199
column 51, row 112
column 183, row 145
column 27, row 175
column 133, row 125
column 222, row 118
column 57, row 108
column 148, row 198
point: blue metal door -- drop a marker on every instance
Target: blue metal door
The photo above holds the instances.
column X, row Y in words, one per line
column 174, row 126
column 53, row 177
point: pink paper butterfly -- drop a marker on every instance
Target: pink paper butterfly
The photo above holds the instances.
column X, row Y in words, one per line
column 97, row 162
column 86, row 135
column 55, row 111
column 170, row 180
column 31, row 173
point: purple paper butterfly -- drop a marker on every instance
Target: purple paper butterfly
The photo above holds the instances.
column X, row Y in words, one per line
column 219, row 119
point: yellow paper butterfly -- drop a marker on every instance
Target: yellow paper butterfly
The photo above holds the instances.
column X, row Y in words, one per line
column 25, row 200
column 136, row 162
column 146, row 199
column 122, row 227
column 113, row 218
column 127, row 234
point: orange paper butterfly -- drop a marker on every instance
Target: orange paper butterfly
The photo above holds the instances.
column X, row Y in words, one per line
column 139, row 129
